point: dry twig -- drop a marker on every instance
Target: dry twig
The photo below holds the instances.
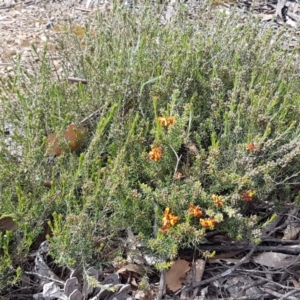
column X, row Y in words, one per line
column 229, row 248
column 77, row 80
column 224, row 274
column 161, row 284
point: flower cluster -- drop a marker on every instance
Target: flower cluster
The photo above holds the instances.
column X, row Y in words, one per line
column 248, row 195
column 168, row 220
column 209, row 223
column 218, row 200
column 196, row 211
column 155, row 154
column 165, row 122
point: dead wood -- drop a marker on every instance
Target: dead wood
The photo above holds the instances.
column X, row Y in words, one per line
column 229, row 248
column 223, row 274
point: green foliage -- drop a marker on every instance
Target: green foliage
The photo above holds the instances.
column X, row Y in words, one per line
column 234, row 94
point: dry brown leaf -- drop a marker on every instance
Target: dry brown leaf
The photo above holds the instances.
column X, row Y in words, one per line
column 235, row 284
column 71, row 285
column 133, row 282
column 148, row 294
column 193, row 148
column 199, row 269
column 52, row 145
column 271, row 226
column 74, row 136
column 275, row 260
column 131, row 268
column 176, row 274
column 267, row 17
column 295, row 283
column 7, row 223
column 291, row 232
column 47, row 183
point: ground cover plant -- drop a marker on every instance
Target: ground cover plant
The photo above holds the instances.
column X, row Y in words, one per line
column 197, row 129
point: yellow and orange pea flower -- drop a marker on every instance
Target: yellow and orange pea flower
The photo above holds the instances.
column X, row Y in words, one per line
column 218, row 200
column 248, row 195
column 252, row 147
column 171, row 120
column 155, row 154
column 169, row 220
column 208, row 223
column 196, row 211
column 165, row 122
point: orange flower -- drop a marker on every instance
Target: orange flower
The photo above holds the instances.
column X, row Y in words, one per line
column 251, row 147
column 218, row 200
column 155, row 154
column 171, row 121
column 208, row 223
column 173, row 220
column 196, row 211
column 165, row 122
column 248, row 195
column 168, row 220
column 167, row 211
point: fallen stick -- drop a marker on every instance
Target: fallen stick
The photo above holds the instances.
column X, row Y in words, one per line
column 224, row 274
column 76, row 79
column 229, row 248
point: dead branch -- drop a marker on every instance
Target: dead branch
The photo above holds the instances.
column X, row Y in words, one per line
column 287, row 295
column 252, row 297
column 276, row 294
column 271, row 282
column 45, row 277
column 282, row 242
column 83, row 9
column 224, row 274
column 161, row 284
column 92, row 116
column 77, row 80
column 229, row 248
